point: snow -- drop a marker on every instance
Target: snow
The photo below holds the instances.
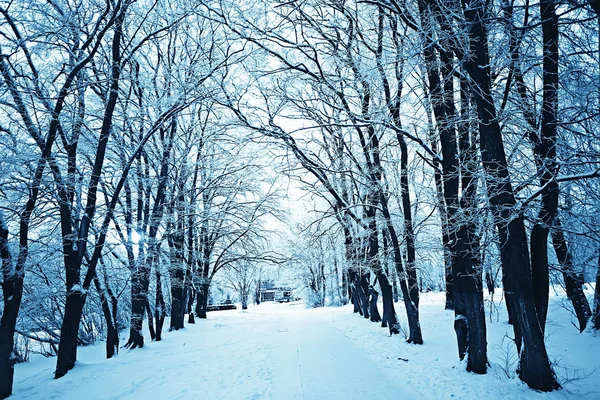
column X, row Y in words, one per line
column 77, row 288
column 285, row 351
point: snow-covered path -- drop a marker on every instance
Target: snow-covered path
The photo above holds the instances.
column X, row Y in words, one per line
column 327, row 364
column 274, row 352
column 284, row 351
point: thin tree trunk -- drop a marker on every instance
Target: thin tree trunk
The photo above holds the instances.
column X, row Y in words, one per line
column 202, row 300
column 150, row 321
column 160, row 309
column 178, row 295
column 573, row 281
column 112, row 335
column 596, row 316
column 12, row 290
column 190, row 302
column 544, row 147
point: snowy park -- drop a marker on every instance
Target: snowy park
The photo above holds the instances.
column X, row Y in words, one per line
column 300, row 199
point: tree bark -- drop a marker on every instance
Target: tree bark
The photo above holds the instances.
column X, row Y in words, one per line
column 544, row 147
column 596, row 316
column 178, row 295
column 139, row 298
column 140, row 279
column 12, row 290
column 467, row 296
column 573, row 281
column 109, row 312
column 534, row 366
column 375, row 317
column 202, row 300
column 74, row 246
column 160, row 309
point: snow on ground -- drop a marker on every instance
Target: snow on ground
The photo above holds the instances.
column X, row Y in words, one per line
column 284, row 351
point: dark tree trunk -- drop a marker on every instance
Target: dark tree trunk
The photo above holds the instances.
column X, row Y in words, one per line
column 140, row 281
column 534, row 366
column 190, row 302
column 489, row 279
column 13, row 280
column 469, row 323
column 389, row 318
column 364, row 293
column 202, row 300
column 67, row 348
column 375, row 317
column 7, row 363
column 350, row 274
column 449, row 289
column 150, row 322
column 443, row 108
column 408, row 286
column 178, row 292
column 74, row 246
column 109, row 310
column 360, row 295
column 160, row 308
column 178, row 297
column 458, row 234
column 353, row 291
column 12, row 290
column 544, row 147
column 374, row 263
column 596, row 316
column 573, row 281
column 540, row 272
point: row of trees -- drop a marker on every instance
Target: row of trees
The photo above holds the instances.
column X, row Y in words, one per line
column 377, row 99
column 137, row 139
column 118, row 172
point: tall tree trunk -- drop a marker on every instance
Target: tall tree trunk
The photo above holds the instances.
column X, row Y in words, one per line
column 408, row 285
column 467, row 295
column 178, row 295
column 534, row 365
column 12, row 290
column 374, row 262
column 140, row 279
column 74, row 246
column 596, row 316
column 544, row 147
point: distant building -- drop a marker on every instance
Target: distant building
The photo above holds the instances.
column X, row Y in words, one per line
column 280, row 294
